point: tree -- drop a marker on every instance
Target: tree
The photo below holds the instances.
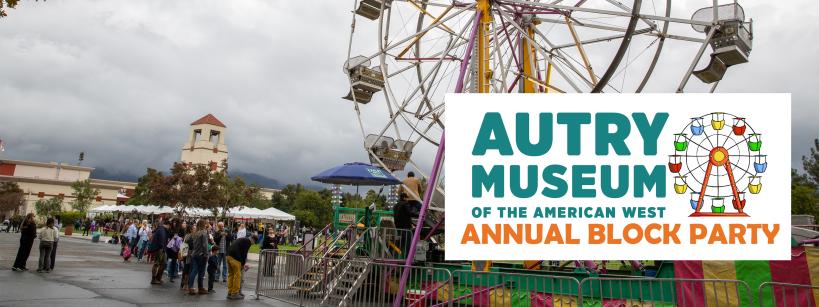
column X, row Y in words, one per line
column 49, row 207
column 10, row 4
column 804, row 197
column 810, row 164
column 144, row 192
column 312, row 209
column 83, row 194
column 11, row 196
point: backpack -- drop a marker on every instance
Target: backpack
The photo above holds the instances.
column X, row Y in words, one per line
column 183, row 251
column 126, row 253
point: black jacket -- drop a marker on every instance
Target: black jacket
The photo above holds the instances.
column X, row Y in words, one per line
column 159, row 239
column 239, row 248
column 28, row 231
column 217, row 236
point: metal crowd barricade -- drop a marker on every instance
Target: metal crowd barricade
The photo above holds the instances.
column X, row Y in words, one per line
column 667, row 292
column 277, row 271
column 513, row 289
column 785, row 294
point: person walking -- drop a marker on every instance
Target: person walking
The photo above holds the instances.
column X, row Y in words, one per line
column 222, row 237
column 199, row 257
column 158, row 241
column 47, row 237
column 28, row 232
column 53, row 258
column 237, row 258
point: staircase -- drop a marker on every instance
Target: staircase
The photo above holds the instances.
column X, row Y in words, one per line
column 330, row 265
column 345, row 286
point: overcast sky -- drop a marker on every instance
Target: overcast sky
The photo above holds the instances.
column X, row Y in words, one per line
column 122, row 80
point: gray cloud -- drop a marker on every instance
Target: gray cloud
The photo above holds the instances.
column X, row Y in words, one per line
column 121, row 80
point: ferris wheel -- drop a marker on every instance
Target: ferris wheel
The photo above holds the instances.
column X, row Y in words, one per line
column 405, row 55
column 714, row 162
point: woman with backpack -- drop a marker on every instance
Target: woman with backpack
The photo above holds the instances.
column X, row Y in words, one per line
column 184, row 250
column 172, row 249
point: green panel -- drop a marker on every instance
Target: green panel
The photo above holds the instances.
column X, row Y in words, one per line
column 754, row 273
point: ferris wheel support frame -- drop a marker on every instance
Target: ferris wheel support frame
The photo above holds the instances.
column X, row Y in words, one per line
column 432, row 183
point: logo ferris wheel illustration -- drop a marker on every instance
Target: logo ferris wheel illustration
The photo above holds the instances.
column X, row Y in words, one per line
column 714, row 163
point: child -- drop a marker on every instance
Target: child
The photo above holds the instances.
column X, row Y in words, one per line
column 213, row 265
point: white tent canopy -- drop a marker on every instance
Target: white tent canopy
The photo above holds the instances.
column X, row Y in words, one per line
column 235, row 212
column 279, row 215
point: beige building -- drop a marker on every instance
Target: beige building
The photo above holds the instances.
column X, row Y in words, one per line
column 206, row 143
column 38, row 180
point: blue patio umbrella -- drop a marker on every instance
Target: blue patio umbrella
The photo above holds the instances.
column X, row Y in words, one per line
column 357, row 173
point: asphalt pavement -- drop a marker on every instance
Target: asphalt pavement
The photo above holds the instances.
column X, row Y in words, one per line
column 93, row 274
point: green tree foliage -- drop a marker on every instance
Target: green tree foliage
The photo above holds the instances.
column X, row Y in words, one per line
column 284, row 199
column 146, row 188
column 83, row 194
column 196, row 186
column 312, row 209
column 804, row 196
column 48, row 207
column 11, row 196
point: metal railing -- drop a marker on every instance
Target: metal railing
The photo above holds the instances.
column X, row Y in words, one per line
column 513, row 289
column 347, row 282
column 388, row 243
column 667, row 291
column 784, row 294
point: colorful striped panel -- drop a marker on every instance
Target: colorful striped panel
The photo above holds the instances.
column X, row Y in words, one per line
column 794, row 271
column 812, row 254
column 754, row 273
column 721, row 293
column 689, row 293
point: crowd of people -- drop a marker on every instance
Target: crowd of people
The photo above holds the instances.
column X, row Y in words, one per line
column 189, row 250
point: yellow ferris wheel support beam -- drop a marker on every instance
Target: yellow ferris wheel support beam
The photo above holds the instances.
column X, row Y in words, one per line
column 484, row 70
column 529, row 61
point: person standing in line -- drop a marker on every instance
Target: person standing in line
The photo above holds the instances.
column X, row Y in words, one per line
column 242, row 232
column 223, row 238
column 85, row 225
column 142, row 237
column 237, row 258
column 412, row 187
column 158, row 241
column 172, row 250
column 47, row 236
column 213, row 267
column 131, row 234
column 199, row 257
column 57, row 226
column 28, row 232
column 184, row 256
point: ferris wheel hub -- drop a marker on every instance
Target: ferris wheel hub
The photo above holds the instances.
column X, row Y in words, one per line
column 718, row 156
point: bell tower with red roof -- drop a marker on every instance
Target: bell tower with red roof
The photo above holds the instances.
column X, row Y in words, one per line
column 206, row 143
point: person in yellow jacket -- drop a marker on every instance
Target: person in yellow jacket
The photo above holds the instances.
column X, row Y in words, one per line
column 237, row 258
column 412, row 188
